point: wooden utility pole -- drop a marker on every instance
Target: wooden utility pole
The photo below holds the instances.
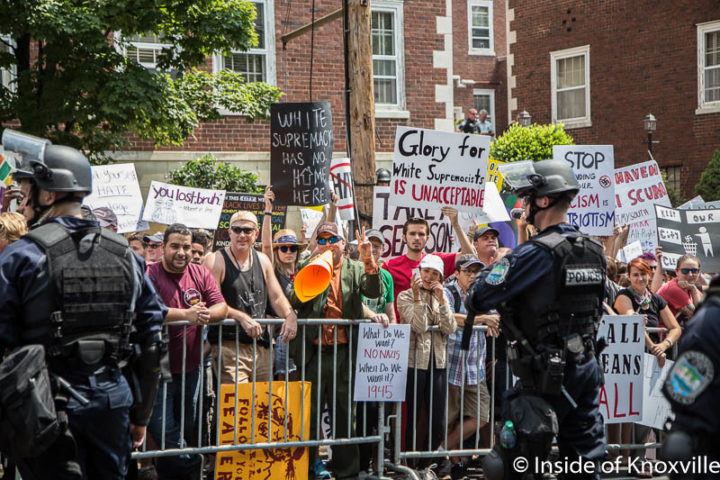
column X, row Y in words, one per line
column 360, row 103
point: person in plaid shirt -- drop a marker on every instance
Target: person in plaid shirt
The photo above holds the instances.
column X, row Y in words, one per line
column 472, row 374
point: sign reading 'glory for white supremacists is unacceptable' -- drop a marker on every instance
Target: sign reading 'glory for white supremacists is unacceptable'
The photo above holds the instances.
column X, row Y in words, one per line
column 301, row 146
column 432, row 169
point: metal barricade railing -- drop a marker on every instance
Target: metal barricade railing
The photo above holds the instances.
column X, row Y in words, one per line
column 162, row 447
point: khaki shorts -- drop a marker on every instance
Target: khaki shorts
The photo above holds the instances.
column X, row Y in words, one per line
column 244, row 371
column 470, row 403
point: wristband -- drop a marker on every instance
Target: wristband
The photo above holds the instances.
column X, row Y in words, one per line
column 669, row 342
column 267, row 213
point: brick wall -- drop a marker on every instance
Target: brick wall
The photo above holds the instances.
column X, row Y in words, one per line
column 643, row 59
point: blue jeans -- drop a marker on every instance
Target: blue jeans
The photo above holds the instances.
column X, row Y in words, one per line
column 177, row 466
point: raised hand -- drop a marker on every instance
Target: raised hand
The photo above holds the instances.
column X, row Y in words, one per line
column 364, row 246
column 269, row 197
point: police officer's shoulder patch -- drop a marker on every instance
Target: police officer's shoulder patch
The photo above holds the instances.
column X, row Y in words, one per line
column 498, row 273
column 689, row 377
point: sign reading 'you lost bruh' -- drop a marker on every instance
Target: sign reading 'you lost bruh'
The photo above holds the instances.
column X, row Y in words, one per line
column 301, row 145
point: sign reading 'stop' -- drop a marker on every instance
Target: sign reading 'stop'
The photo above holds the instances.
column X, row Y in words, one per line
column 432, row 169
column 301, row 146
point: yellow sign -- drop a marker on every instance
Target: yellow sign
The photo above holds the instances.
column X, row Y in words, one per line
column 268, row 464
column 493, row 175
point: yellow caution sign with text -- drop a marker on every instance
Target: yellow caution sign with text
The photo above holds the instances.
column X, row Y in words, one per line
column 270, row 426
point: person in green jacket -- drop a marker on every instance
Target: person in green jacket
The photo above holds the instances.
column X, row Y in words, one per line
column 342, row 299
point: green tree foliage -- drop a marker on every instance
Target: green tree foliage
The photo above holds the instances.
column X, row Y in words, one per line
column 709, row 185
column 207, row 172
column 528, row 143
column 74, row 85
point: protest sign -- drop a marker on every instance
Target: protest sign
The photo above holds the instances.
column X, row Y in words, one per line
column 432, row 169
column 637, row 188
column 691, row 232
column 622, row 363
column 310, row 219
column 193, row 207
column 593, row 209
column 237, row 418
column 494, row 175
column 630, row 252
column 301, row 146
column 656, row 409
column 116, row 187
column 252, row 202
column 341, row 175
column 696, row 203
column 382, row 362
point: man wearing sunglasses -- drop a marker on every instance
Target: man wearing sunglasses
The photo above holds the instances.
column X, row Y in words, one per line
column 247, row 281
column 351, row 281
column 153, row 251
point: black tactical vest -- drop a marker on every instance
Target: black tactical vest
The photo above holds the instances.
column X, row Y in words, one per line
column 569, row 299
column 93, row 283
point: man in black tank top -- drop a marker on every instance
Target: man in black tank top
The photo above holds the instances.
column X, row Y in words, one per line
column 247, row 282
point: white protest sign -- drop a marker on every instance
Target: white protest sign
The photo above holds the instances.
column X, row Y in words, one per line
column 341, row 175
column 632, row 251
column 432, row 169
column 692, row 204
column 622, row 363
column 656, row 409
column 382, row 363
column 310, row 219
column 193, row 207
column 637, row 188
column 593, row 209
column 116, row 187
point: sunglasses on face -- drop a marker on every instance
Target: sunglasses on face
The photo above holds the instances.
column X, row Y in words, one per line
column 326, row 240
column 245, row 230
column 153, row 246
column 291, row 248
column 686, row 271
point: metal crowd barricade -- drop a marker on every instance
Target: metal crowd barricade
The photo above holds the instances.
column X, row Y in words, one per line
column 228, row 329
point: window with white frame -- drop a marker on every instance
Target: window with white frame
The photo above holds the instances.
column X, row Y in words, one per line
column 480, row 27
column 709, row 65
column 673, row 178
column 570, row 85
column 387, row 51
column 258, row 63
column 485, row 100
column 146, row 49
column 6, row 74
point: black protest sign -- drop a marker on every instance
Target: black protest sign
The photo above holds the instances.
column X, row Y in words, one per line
column 234, row 202
column 301, row 145
column 689, row 232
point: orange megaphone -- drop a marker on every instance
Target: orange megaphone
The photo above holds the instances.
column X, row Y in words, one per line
column 314, row 278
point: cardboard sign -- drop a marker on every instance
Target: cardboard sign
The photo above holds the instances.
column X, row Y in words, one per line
column 494, row 175
column 382, row 363
column 637, row 189
column 301, row 146
column 432, row 169
column 622, row 362
column 656, row 408
column 289, row 463
column 252, row 202
column 341, row 175
column 693, row 232
column 193, row 207
column 116, row 187
column 593, row 209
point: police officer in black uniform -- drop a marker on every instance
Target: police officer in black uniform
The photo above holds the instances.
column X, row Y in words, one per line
column 693, row 389
column 549, row 293
column 80, row 292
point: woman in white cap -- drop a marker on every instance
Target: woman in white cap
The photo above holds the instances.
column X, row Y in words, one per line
column 422, row 306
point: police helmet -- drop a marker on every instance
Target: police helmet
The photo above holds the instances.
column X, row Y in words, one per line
column 547, row 177
column 62, row 169
column 383, row 175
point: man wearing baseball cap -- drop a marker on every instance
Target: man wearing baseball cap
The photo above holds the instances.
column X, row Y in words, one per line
column 485, row 241
column 153, row 252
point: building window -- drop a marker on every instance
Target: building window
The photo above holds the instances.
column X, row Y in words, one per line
column 146, row 49
column 7, row 75
column 673, row 178
column 480, row 27
column 709, row 65
column 387, row 49
column 485, row 100
column 258, row 63
column 570, row 84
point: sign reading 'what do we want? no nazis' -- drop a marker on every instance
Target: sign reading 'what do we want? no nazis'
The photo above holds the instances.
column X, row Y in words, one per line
column 301, row 146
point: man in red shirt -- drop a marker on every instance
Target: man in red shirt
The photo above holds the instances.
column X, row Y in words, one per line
column 191, row 295
column 416, row 232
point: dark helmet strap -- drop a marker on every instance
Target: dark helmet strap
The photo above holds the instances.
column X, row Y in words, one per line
column 534, row 209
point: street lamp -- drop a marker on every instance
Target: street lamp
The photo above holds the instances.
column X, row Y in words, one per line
column 650, row 125
column 525, row 119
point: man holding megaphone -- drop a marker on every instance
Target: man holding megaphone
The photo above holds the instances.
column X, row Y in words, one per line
column 327, row 291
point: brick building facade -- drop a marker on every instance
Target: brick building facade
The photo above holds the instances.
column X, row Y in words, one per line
column 602, row 66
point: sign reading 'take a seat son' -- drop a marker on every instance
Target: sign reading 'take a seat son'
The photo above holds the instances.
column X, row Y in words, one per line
column 432, row 169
